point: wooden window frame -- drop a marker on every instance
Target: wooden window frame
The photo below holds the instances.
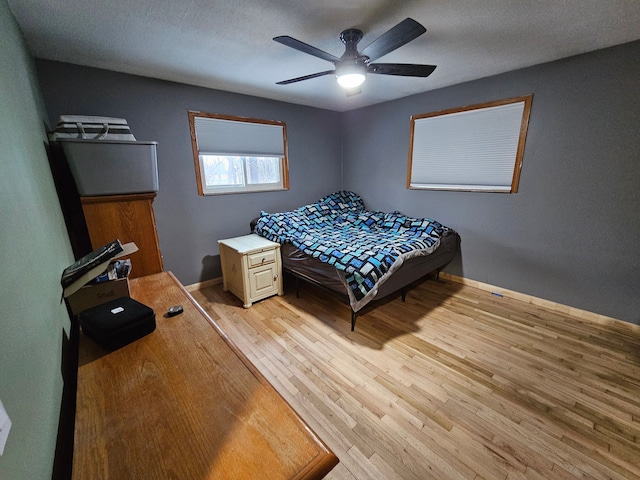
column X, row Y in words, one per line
column 284, row 163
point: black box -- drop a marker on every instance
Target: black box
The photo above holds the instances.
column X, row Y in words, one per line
column 118, row 322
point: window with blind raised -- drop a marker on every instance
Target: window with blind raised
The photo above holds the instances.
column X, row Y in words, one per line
column 237, row 154
column 474, row 148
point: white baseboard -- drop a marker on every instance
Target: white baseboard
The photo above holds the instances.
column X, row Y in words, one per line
column 558, row 307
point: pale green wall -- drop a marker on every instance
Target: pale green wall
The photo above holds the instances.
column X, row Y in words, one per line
column 34, row 251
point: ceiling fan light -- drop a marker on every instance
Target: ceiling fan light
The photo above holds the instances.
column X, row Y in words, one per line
column 350, row 75
column 351, row 80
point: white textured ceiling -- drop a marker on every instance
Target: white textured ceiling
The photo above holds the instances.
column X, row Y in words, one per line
column 227, row 44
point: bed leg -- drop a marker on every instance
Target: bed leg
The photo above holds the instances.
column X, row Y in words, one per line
column 353, row 320
column 297, row 287
column 404, row 294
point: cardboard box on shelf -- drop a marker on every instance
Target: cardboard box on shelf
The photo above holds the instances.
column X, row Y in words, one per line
column 80, row 294
column 97, row 294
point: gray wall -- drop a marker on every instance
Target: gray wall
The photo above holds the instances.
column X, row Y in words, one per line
column 34, row 251
column 572, row 232
column 190, row 225
column 570, row 235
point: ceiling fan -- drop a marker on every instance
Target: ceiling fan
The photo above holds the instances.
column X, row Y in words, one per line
column 352, row 67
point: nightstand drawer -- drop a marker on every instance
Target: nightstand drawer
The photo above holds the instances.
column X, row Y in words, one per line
column 261, row 258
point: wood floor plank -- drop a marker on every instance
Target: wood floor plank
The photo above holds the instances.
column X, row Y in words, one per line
column 453, row 383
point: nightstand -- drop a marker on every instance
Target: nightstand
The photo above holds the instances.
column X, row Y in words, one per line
column 251, row 268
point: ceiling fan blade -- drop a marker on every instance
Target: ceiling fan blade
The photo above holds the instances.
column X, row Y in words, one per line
column 306, row 48
column 402, row 33
column 401, row 69
column 306, row 77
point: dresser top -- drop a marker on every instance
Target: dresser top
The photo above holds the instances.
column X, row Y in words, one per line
column 185, row 402
column 248, row 243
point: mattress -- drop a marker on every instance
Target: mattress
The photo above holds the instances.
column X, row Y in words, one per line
column 311, row 269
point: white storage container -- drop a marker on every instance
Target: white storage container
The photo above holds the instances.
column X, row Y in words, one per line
column 110, row 167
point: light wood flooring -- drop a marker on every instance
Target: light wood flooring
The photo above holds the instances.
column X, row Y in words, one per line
column 454, row 383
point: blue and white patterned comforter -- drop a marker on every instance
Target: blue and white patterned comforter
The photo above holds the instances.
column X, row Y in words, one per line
column 365, row 246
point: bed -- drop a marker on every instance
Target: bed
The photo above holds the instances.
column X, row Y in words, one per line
column 340, row 245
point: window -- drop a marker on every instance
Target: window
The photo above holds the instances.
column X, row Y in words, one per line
column 237, row 154
column 474, row 148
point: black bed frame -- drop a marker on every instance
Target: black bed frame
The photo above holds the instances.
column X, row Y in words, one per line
column 305, row 278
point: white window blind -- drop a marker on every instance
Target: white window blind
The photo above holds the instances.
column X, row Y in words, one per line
column 477, row 148
column 216, row 136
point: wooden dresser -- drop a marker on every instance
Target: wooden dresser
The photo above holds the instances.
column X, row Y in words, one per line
column 184, row 402
column 129, row 218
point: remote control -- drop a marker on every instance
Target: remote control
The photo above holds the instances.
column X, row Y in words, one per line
column 175, row 310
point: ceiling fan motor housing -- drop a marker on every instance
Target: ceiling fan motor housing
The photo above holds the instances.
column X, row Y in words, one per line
column 350, row 38
column 351, row 70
